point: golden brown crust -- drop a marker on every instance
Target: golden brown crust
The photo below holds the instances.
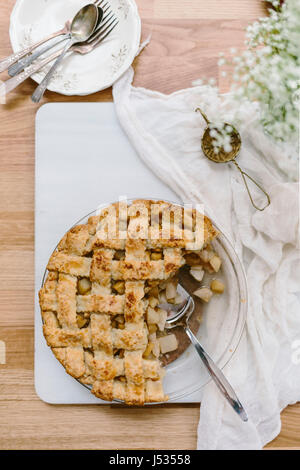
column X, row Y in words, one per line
column 79, row 322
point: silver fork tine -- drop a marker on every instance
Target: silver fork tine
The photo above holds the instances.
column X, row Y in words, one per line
column 106, row 19
column 101, row 31
column 101, row 26
column 101, row 37
column 100, row 23
column 104, row 6
column 104, row 27
column 99, row 2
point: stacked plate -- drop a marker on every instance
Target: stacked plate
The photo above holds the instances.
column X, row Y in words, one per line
column 32, row 20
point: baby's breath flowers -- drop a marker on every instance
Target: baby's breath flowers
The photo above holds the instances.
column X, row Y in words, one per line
column 268, row 72
column 221, row 134
column 267, row 76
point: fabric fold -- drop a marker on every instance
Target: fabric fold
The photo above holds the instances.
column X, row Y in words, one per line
column 166, row 133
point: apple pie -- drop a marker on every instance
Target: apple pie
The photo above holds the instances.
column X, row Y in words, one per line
column 101, row 299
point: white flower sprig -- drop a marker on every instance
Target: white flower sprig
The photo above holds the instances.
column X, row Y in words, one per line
column 268, row 72
column 266, row 76
column 221, row 136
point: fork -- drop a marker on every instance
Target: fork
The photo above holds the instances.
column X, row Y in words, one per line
column 106, row 27
column 22, row 64
column 12, row 59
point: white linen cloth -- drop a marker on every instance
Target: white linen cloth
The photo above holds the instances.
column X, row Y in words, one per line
column 265, row 370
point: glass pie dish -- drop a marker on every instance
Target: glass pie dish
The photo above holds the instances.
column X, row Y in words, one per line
column 220, row 327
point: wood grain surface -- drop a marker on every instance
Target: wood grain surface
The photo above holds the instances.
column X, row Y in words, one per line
column 186, row 40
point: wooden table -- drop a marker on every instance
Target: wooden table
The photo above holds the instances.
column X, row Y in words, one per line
column 186, row 39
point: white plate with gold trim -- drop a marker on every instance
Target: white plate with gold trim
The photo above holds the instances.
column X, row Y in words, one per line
column 31, row 20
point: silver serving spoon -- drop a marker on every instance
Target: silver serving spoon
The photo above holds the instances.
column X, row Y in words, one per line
column 12, row 59
column 180, row 317
column 82, row 27
column 29, row 59
column 100, row 34
column 26, row 61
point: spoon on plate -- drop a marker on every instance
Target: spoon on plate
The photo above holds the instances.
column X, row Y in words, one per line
column 29, row 59
column 82, row 27
column 12, row 59
column 179, row 316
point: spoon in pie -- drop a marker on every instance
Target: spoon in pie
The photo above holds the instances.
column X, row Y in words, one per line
column 180, row 317
column 223, row 156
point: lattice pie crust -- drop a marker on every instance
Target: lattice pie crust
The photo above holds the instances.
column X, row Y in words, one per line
column 95, row 299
